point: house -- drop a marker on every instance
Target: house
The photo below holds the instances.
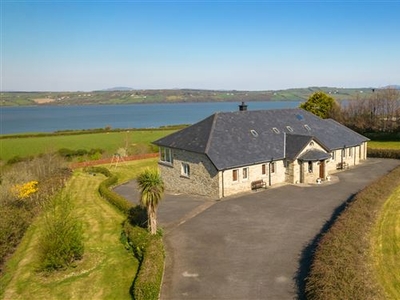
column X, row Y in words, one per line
column 225, row 153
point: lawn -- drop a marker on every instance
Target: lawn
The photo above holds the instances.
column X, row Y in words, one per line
column 107, row 269
column 109, row 141
column 386, row 246
column 384, row 145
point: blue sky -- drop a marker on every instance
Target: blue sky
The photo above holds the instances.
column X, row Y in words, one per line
column 242, row 45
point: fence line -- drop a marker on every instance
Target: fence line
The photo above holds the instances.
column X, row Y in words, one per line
column 90, row 163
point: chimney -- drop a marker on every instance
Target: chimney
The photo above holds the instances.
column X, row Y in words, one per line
column 242, row 107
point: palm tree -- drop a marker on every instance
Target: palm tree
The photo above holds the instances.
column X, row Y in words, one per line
column 151, row 191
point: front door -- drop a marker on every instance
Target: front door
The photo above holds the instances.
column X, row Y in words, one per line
column 322, row 169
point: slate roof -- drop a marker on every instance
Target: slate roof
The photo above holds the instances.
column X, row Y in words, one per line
column 235, row 139
column 314, row 155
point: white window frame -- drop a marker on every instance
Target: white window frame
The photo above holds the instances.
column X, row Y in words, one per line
column 185, row 169
column 166, row 155
column 245, row 173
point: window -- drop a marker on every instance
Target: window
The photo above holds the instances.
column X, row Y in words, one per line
column 254, row 133
column 185, row 170
column 166, row 155
column 307, row 127
column 311, row 144
column 310, row 167
column 350, row 152
column 245, row 173
column 276, row 130
column 235, row 175
column 290, row 129
column 272, row 165
column 333, row 155
column 343, row 152
column 263, row 169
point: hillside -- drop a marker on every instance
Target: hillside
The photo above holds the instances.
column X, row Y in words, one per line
column 125, row 96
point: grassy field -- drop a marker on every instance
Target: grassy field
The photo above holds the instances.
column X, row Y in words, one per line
column 107, row 269
column 386, row 246
column 110, row 142
column 384, row 145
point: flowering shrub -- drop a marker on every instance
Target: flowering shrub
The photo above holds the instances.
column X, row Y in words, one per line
column 23, row 191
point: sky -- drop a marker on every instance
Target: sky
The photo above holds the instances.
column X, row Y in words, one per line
column 229, row 45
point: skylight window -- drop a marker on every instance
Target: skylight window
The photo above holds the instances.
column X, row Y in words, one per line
column 276, row 130
column 290, row 129
column 254, row 133
column 299, row 117
column 307, row 127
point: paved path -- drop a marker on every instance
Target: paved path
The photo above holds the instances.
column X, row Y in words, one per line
column 253, row 246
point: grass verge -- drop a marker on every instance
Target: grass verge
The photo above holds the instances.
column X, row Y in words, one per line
column 386, row 246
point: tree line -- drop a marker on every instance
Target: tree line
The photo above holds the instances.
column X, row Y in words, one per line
column 377, row 113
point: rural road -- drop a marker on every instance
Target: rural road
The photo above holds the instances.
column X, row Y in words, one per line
column 253, row 246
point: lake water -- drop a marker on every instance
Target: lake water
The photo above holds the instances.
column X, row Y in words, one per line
column 54, row 118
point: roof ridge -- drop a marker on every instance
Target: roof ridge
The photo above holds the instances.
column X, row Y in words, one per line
column 215, row 115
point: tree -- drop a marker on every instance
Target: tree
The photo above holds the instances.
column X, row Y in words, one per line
column 151, row 191
column 321, row 104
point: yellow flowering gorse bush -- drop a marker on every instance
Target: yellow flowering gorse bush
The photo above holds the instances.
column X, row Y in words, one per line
column 23, row 191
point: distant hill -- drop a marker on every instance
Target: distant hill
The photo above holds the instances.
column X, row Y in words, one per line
column 394, row 86
column 118, row 88
column 126, row 95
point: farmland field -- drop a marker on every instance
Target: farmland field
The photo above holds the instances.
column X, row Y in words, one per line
column 108, row 141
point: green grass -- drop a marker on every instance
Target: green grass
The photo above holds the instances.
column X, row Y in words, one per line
column 107, row 268
column 384, row 145
column 110, row 142
column 386, row 246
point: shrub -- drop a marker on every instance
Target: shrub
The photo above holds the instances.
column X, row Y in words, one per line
column 69, row 154
column 17, row 211
column 137, row 216
column 61, row 242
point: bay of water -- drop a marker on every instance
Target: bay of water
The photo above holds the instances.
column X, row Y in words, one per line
column 55, row 118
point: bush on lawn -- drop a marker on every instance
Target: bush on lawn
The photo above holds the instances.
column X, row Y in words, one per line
column 61, row 242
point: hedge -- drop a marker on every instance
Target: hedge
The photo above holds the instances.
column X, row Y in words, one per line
column 104, row 189
column 149, row 250
column 384, row 153
column 342, row 268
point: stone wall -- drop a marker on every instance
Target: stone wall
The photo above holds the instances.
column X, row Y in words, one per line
column 231, row 186
column 203, row 177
